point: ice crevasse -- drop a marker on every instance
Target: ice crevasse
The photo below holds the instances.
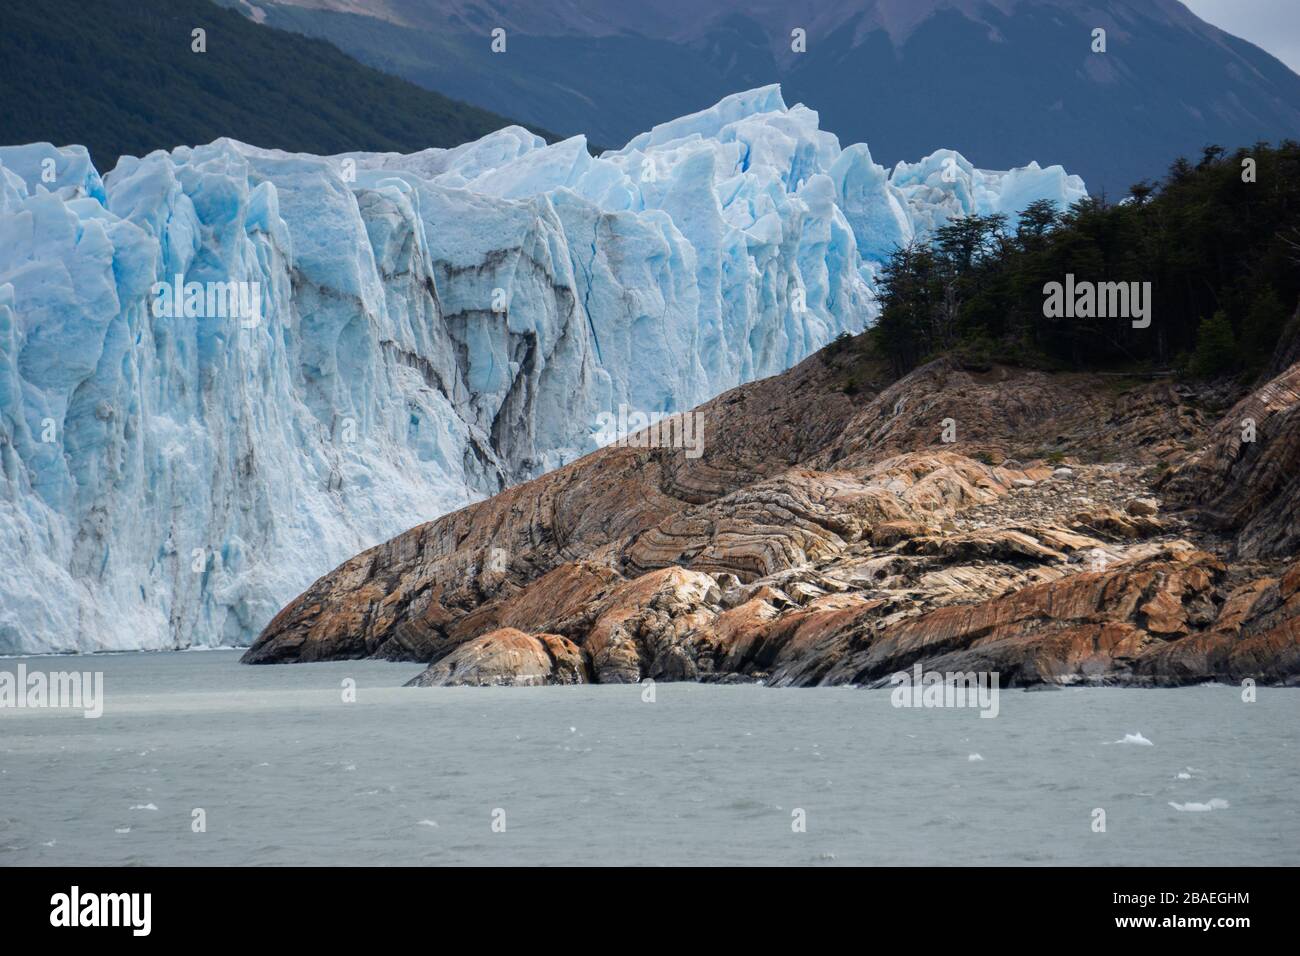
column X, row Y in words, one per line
column 428, row 329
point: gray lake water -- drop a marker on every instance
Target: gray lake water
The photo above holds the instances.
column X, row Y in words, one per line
column 286, row 772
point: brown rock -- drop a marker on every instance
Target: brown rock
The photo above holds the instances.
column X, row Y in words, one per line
column 888, row 533
column 645, row 628
column 828, row 539
column 1251, row 487
column 507, row 658
column 1110, row 523
column 1142, row 507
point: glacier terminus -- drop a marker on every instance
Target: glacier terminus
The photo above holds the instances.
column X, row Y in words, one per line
column 366, row 341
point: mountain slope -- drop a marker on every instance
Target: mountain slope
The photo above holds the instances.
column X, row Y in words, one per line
column 119, row 77
column 1000, row 79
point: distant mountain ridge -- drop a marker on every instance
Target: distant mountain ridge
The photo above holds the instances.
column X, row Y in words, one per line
column 122, row 79
column 1001, row 80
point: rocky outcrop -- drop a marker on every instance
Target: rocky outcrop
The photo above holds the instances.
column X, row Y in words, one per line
column 1086, row 626
column 404, row 599
column 1002, row 413
column 831, row 535
column 1255, row 635
column 657, row 625
column 508, row 658
column 1246, row 478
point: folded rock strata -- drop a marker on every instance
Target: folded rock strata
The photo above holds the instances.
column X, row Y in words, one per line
column 831, row 536
column 1246, row 478
column 510, row 658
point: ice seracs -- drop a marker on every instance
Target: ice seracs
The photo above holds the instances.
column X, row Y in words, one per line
column 430, row 327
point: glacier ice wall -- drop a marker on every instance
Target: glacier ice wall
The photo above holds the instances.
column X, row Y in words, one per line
column 429, row 328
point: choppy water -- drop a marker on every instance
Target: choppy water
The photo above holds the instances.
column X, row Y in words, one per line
column 288, row 773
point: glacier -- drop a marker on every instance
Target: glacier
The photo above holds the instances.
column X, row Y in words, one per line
column 429, row 329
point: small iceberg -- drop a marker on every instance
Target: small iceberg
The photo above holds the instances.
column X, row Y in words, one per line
column 1215, row 804
column 974, row 758
column 1135, row 739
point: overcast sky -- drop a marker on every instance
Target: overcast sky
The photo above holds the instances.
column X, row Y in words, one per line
column 1273, row 25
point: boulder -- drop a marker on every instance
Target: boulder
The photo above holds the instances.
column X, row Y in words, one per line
column 507, row 658
column 1142, row 507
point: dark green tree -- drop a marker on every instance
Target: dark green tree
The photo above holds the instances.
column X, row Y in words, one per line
column 1261, row 329
column 1216, row 347
column 1208, row 240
